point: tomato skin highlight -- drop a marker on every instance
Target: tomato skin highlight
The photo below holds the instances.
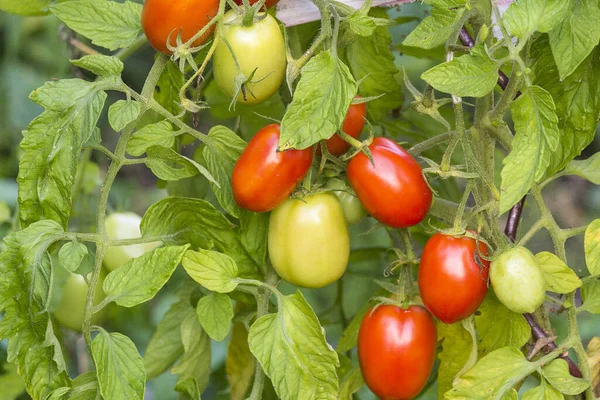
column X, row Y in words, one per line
column 309, row 244
column 268, row 3
column 353, row 126
column 161, row 18
column 393, row 191
column 263, row 178
column 70, row 309
column 518, row 280
column 396, row 350
column 451, row 281
column 259, row 49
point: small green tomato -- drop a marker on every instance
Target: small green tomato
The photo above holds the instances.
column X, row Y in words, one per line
column 354, row 211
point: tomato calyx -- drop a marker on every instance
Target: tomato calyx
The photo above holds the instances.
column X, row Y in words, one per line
column 425, row 103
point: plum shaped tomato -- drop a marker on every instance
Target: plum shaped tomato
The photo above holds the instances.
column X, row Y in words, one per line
column 393, row 190
column 396, row 350
column 264, row 177
column 259, row 49
column 353, row 126
column 70, row 309
column 124, row 226
column 268, row 3
column 518, row 280
column 453, row 278
column 308, row 240
column 164, row 18
column 353, row 209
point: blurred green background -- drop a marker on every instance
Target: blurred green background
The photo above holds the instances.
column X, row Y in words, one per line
column 35, row 50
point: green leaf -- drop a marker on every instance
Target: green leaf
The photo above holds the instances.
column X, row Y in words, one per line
column 576, row 36
column 120, row 368
column 371, row 60
column 239, row 364
column 498, row 327
column 292, row 349
column 106, row 23
column 122, row 112
column 351, row 379
column 320, row 103
column 194, row 368
column 537, row 136
column 85, row 387
column 215, row 313
column 4, row 212
column 492, row 376
column 359, row 24
column 29, row 7
column 544, row 391
column 10, row 381
column 52, row 144
column 349, row 338
column 138, row 280
column 456, row 347
column 213, row 270
column 255, row 228
column 473, row 74
column 158, row 134
column 221, row 154
column 197, row 222
column 167, row 88
column 590, row 292
column 527, row 16
column 436, row 29
column 71, row 255
column 557, row 374
column 558, row 276
column 588, row 169
column 169, row 165
column 100, row 65
column 592, row 247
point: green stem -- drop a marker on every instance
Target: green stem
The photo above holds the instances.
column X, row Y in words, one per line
column 430, row 143
column 575, row 336
column 508, row 96
column 135, row 46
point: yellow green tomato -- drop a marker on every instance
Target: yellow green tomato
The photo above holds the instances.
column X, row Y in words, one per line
column 124, row 226
column 69, row 312
column 354, row 211
column 309, row 243
column 258, row 49
column 518, row 281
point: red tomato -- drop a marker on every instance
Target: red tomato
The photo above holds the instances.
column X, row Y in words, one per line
column 396, row 350
column 353, row 126
column 263, row 177
column 393, row 190
column 453, row 278
column 268, row 3
column 161, row 18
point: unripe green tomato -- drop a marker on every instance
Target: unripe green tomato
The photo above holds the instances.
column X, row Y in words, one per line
column 259, row 49
column 309, row 244
column 124, row 226
column 354, row 211
column 518, row 281
column 71, row 307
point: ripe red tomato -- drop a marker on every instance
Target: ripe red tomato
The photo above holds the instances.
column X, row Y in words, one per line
column 353, row 126
column 453, row 278
column 393, row 190
column 161, row 18
column 268, row 3
column 396, row 350
column 263, row 177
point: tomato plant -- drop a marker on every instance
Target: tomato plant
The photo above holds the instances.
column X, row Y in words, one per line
column 257, row 52
column 164, row 20
column 453, row 276
column 392, row 189
column 263, row 177
column 70, row 309
column 354, row 122
column 354, row 212
column 268, row 3
column 396, row 350
column 298, row 230
column 518, row 280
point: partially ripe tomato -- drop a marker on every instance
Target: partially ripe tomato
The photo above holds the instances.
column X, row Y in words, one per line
column 396, row 350
column 354, row 212
column 353, row 126
column 161, row 18
column 309, row 244
column 268, row 3
column 393, row 190
column 71, row 307
column 124, row 226
column 259, row 50
column 518, row 280
column 263, row 177
column 453, row 277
